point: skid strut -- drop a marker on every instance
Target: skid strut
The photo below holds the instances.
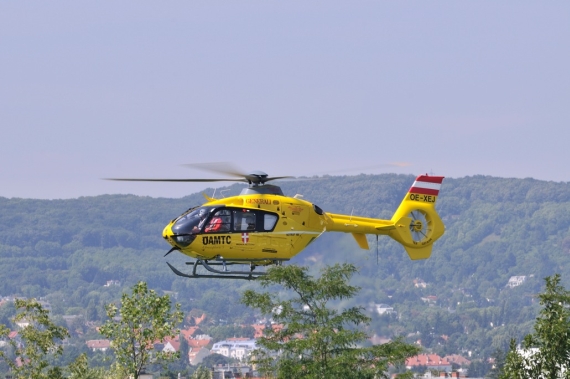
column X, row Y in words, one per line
column 225, row 273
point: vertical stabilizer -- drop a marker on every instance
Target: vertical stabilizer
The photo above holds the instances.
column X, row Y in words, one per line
column 417, row 224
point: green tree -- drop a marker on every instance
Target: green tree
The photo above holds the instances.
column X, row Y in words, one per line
column 40, row 339
column 184, row 349
column 317, row 341
column 202, row 373
column 546, row 352
column 80, row 369
column 494, row 370
column 216, row 359
column 7, row 313
column 223, row 332
column 144, row 318
column 91, row 311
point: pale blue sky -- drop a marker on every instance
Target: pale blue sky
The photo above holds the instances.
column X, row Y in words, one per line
column 137, row 88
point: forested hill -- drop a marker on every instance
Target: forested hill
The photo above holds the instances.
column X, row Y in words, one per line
column 495, row 228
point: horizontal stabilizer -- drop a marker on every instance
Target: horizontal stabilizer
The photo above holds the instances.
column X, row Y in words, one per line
column 386, row 227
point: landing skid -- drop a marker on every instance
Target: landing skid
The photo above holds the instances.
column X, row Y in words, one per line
column 225, row 273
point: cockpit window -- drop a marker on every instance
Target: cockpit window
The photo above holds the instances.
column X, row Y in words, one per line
column 244, row 220
column 191, row 222
column 223, row 220
column 220, row 222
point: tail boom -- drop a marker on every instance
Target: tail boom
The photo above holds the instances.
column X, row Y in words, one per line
column 415, row 224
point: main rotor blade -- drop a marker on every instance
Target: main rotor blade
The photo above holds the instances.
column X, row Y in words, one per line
column 175, row 180
column 377, row 166
column 226, row 168
column 278, row 177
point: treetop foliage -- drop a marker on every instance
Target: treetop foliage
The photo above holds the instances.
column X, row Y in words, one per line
column 145, row 319
column 545, row 353
column 41, row 339
column 317, row 340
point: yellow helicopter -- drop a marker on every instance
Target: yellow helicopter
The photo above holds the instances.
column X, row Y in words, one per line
column 261, row 226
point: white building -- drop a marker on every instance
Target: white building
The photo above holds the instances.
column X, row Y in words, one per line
column 98, row 345
column 381, row 309
column 238, row 348
column 515, row 281
column 419, row 283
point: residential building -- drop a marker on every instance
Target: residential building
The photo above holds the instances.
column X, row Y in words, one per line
column 23, row 323
column 98, row 345
column 232, row 371
column 419, row 283
column 430, row 361
column 429, row 299
column 238, row 348
column 381, row 309
column 112, row 283
column 188, row 333
column 167, row 345
column 379, row 340
column 259, row 329
column 515, row 281
column 457, row 359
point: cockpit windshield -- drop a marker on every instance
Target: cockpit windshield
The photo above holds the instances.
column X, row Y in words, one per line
column 191, row 222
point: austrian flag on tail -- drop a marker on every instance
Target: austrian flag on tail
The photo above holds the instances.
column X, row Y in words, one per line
column 427, row 185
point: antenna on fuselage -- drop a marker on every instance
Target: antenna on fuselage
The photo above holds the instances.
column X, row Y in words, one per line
column 377, row 259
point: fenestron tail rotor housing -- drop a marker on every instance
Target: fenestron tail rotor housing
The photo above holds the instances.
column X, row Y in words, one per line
column 420, row 226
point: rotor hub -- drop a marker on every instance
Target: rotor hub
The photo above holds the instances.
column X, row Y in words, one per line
column 256, row 177
column 416, row 225
column 420, row 226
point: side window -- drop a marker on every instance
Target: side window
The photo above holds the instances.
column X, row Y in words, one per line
column 220, row 222
column 269, row 221
column 247, row 220
column 244, row 220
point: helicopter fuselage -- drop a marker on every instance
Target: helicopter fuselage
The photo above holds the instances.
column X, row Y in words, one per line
column 247, row 228
column 262, row 226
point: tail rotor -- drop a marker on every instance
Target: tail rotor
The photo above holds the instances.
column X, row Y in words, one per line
column 417, row 223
